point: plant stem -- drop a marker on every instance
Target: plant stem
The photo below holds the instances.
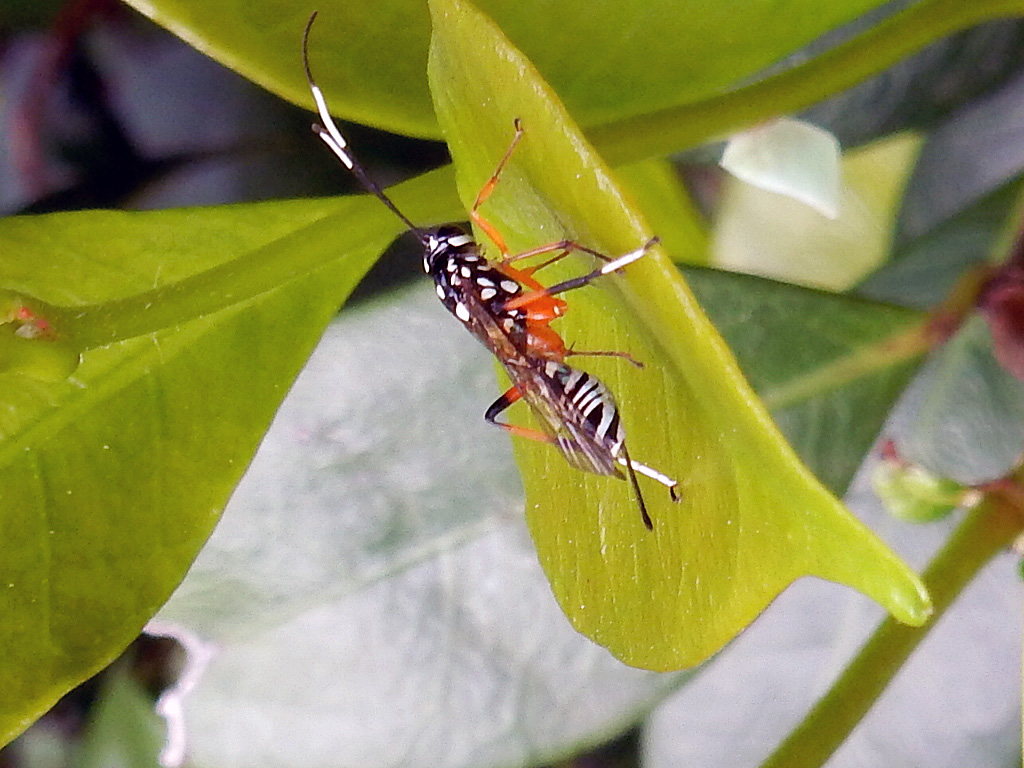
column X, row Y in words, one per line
column 904, row 346
column 671, row 130
column 986, row 530
column 252, row 274
column 201, row 294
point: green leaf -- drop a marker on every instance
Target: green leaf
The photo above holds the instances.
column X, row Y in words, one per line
column 112, row 479
column 659, row 193
column 752, row 519
column 639, row 55
column 828, row 367
column 416, row 568
column 967, row 426
column 764, row 233
column 125, row 731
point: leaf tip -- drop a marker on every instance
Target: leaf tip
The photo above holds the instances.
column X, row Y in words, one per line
column 913, row 606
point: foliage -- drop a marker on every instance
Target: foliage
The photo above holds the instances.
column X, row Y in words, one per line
column 145, row 354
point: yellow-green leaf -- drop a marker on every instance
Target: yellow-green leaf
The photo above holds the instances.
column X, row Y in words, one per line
column 111, row 480
column 639, row 55
column 752, row 518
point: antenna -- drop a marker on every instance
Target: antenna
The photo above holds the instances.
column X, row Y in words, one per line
column 636, row 488
column 331, row 136
column 632, row 467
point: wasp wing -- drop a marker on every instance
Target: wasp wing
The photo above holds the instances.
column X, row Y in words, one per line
column 577, row 431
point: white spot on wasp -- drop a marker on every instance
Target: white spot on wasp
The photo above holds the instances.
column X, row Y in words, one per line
column 440, row 292
column 485, row 282
column 510, row 286
column 466, row 271
column 461, row 312
column 488, row 293
column 459, row 240
column 435, row 244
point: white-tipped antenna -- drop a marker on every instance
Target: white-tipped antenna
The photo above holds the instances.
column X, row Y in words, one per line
column 632, row 467
column 331, row 136
column 605, row 269
column 654, row 474
column 626, row 259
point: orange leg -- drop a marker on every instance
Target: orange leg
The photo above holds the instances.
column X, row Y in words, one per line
column 501, row 404
column 485, row 192
column 624, row 355
column 545, row 342
column 565, row 246
column 535, row 295
column 524, row 275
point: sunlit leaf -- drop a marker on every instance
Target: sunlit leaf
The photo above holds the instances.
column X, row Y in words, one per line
column 637, row 56
column 752, row 518
column 656, row 188
column 112, row 479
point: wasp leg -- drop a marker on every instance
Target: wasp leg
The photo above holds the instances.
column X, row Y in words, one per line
column 564, row 246
column 614, row 265
column 485, row 192
column 604, row 353
column 502, row 404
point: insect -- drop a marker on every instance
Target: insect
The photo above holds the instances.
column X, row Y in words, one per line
column 580, row 417
column 472, row 288
column 510, row 313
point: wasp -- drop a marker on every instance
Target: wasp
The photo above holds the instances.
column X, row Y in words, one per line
column 510, row 312
column 579, row 416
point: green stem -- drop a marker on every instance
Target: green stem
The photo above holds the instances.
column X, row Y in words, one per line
column 661, row 133
column 887, row 353
column 986, row 531
column 368, row 227
column 883, row 355
column 634, row 139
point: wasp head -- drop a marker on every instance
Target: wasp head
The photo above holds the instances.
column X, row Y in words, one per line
column 440, row 245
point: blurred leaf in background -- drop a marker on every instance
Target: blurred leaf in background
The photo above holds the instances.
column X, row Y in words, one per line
column 400, row 550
